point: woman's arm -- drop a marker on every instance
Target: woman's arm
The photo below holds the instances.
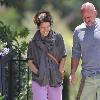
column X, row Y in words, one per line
column 32, row 67
column 61, row 67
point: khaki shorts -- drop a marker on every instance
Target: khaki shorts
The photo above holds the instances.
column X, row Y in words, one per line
column 89, row 88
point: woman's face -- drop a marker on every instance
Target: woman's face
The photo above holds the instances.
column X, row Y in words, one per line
column 44, row 28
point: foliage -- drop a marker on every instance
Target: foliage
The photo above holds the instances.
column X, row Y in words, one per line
column 21, row 81
column 63, row 8
column 19, row 5
column 13, row 38
column 1, row 97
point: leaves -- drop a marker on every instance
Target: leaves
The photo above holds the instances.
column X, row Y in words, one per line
column 13, row 38
column 23, row 33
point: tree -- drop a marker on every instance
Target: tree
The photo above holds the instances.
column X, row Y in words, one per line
column 16, row 40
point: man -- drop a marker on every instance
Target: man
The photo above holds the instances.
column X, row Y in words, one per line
column 86, row 45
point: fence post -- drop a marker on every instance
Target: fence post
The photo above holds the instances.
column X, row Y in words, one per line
column 1, row 79
column 10, row 84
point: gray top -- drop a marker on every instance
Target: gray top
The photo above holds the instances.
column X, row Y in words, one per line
column 86, row 45
column 37, row 51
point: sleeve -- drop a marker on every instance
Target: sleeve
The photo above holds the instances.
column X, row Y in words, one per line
column 76, row 49
column 62, row 46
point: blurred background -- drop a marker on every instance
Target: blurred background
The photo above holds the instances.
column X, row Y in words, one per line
column 17, row 29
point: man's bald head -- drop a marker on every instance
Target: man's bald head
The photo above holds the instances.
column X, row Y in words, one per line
column 88, row 6
column 89, row 13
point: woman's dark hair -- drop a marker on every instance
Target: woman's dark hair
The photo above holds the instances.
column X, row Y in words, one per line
column 43, row 16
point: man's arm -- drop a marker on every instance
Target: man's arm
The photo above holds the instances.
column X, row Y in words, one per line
column 76, row 55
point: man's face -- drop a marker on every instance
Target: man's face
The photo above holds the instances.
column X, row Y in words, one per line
column 89, row 17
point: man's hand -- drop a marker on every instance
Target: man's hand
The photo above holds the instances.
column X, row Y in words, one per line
column 72, row 79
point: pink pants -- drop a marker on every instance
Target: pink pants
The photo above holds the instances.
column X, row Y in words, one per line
column 46, row 92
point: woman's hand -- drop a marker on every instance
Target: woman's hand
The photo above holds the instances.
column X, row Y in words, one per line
column 62, row 72
column 32, row 67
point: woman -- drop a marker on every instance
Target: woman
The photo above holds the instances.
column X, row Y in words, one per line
column 46, row 59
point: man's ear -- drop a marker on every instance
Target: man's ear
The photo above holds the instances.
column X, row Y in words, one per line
column 95, row 13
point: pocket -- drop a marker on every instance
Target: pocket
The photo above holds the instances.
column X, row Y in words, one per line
column 58, row 72
column 37, row 75
column 58, row 75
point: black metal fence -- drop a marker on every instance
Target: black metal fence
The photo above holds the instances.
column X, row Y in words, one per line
column 15, row 79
